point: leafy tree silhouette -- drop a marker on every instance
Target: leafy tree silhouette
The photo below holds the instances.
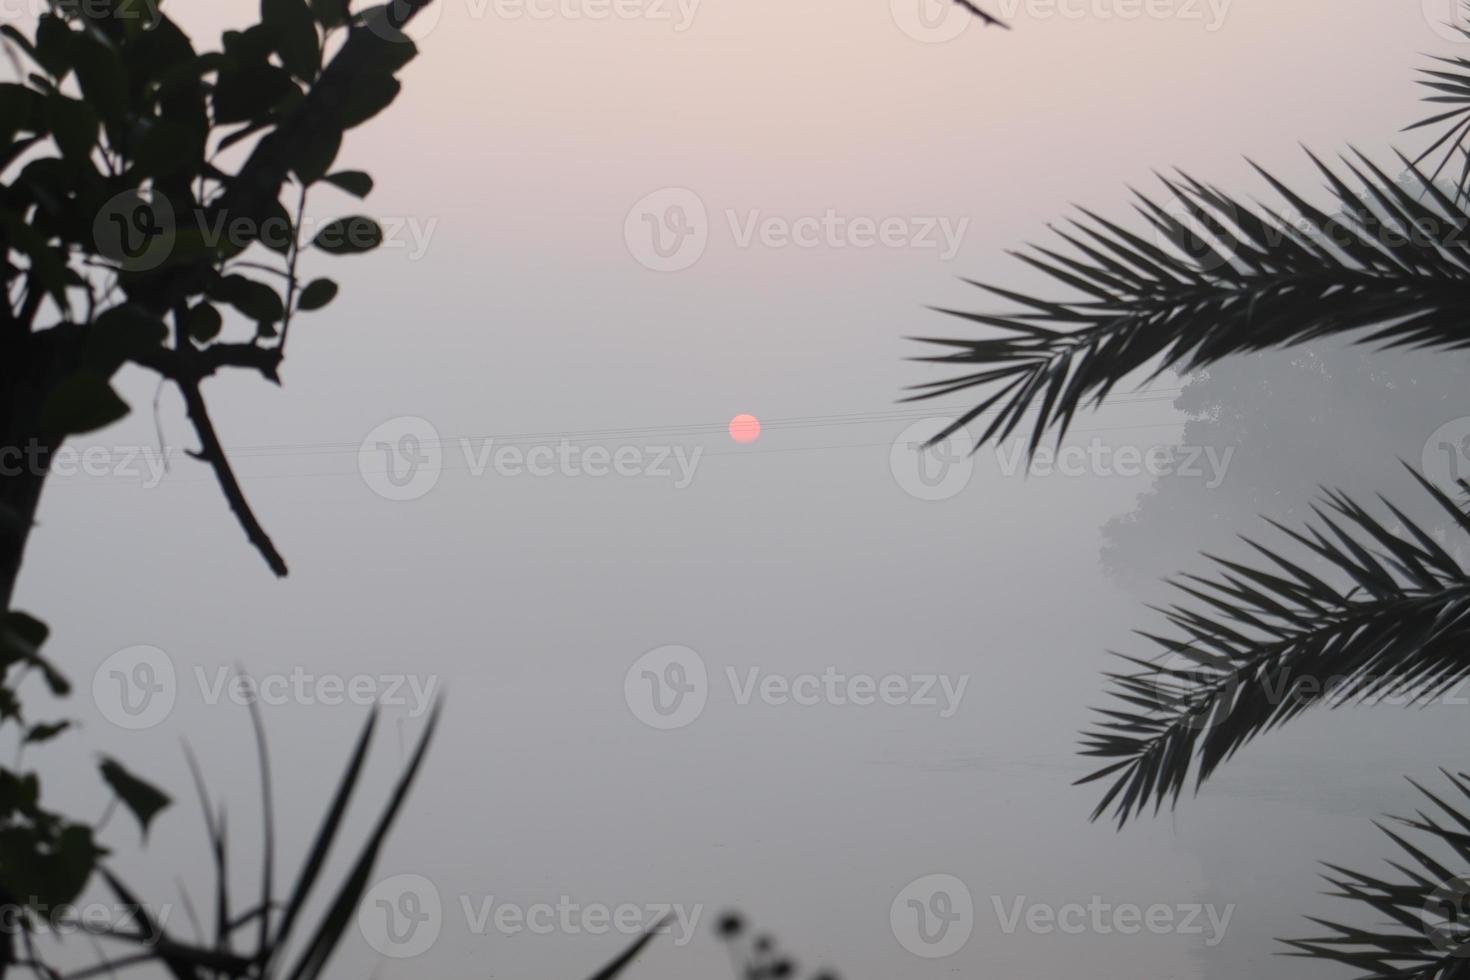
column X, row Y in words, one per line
column 1316, row 415
column 124, row 240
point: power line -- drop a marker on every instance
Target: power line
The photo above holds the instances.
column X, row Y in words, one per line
column 668, row 431
column 252, row 477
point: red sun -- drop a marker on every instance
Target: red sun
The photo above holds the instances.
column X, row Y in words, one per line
column 745, row 428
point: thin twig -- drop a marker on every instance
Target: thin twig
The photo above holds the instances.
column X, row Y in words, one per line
column 212, row 451
column 291, row 269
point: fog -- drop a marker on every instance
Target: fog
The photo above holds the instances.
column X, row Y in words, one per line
column 526, row 299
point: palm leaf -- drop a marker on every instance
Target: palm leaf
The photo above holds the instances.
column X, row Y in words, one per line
column 1389, row 615
column 1214, row 276
column 1447, row 83
column 1423, row 931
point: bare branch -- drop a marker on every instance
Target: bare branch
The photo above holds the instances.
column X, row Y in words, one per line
column 197, row 365
column 188, row 366
column 214, row 454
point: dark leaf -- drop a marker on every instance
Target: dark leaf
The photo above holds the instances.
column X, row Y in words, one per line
column 385, row 48
column 349, row 236
column 53, row 48
column 318, row 293
column 370, row 96
column 103, row 79
column 256, row 300
column 204, row 323
column 73, row 124
column 250, row 92
column 298, row 46
column 315, row 154
column 49, row 868
column 143, row 799
column 354, row 182
column 167, row 147
column 83, row 402
column 46, row 732
column 330, row 13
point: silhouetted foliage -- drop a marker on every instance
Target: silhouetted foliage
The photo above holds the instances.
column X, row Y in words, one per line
column 757, row 956
column 1373, row 606
column 127, row 236
column 1428, row 903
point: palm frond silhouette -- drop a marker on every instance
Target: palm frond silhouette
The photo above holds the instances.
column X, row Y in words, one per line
column 1363, row 605
column 1429, row 938
column 1260, row 646
column 1236, row 279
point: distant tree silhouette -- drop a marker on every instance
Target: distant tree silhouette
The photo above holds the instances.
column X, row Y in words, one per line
column 1317, row 415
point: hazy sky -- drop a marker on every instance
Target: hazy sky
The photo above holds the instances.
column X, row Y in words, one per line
column 521, row 299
